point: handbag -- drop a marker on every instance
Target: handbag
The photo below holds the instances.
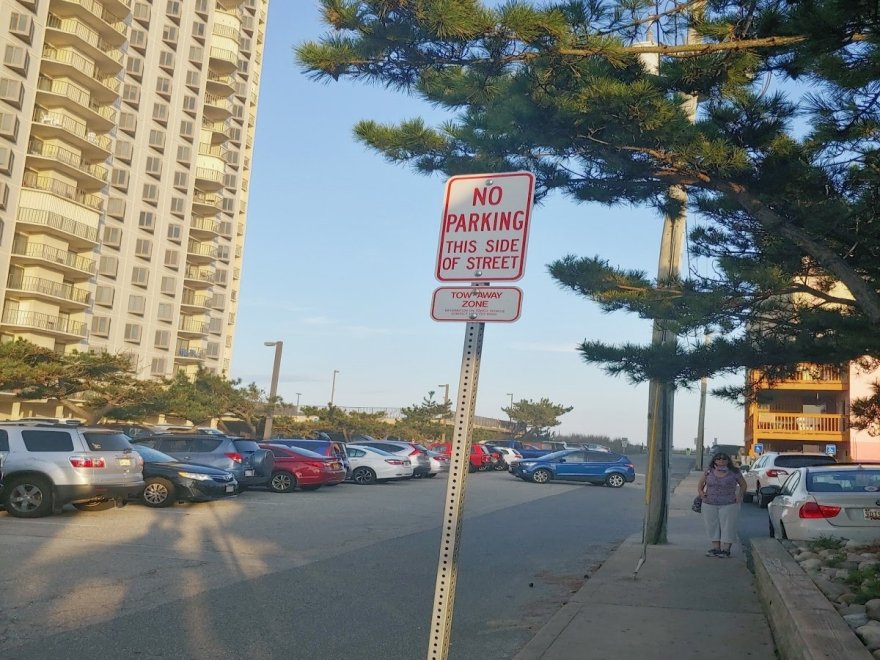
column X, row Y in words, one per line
column 697, row 505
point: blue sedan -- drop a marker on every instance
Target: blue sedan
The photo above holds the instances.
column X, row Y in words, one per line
column 599, row 467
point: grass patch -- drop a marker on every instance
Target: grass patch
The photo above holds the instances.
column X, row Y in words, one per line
column 827, row 543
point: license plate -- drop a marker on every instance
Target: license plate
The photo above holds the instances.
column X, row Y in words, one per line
column 248, row 473
column 872, row 514
column 230, row 488
column 125, row 461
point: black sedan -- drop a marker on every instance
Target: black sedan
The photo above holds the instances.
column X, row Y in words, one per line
column 169, row 480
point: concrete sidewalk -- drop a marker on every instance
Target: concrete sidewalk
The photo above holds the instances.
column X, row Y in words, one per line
column 682, row 605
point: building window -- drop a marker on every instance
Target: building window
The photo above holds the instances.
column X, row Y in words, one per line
column 104, row 295
column 175, row 232
column 101, row 326
column 157, row 138
column 151, row 192
column 133, row 333
column 108, row 265
column 17, row 58
column 140, row 276
column 163, row 339
column 147, row 220
column 143, row 248
column 154, row 166
column 112, row 236
column 172, row 259
column 168, row 286
column 157, row 368
column 165, row 312
column 137, row 304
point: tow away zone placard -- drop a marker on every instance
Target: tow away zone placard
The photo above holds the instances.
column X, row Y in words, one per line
column 476, row 304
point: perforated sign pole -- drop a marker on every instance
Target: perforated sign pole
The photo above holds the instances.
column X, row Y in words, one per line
column 447, row 567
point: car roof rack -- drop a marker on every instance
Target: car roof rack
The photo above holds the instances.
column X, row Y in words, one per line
column 40, row 422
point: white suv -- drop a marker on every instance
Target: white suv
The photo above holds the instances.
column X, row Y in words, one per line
column 773, row 468
column 45, row 466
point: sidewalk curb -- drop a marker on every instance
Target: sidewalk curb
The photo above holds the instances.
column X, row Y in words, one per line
column 805, row 625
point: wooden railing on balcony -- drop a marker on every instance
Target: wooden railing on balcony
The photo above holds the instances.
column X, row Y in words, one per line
column 796, row 425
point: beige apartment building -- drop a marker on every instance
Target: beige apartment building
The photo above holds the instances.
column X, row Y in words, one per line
column 126, row 140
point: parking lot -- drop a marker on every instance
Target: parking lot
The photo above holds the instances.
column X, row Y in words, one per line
column 136, row 558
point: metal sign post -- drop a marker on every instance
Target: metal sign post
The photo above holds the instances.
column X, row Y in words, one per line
column 483, row 237
column 447, row 566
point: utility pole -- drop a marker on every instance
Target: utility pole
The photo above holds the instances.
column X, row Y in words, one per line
column 701, row 422
column 661, row 395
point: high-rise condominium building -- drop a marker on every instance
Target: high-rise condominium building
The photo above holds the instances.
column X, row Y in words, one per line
column 126, row 138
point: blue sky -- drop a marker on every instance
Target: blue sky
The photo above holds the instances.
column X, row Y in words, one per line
column 339, row 265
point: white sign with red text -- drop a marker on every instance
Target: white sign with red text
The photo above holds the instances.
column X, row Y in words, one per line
column 485, row 227
column 476, row 304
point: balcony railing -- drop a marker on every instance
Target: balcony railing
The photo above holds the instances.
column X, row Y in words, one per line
column 52, row 185
column 227, row 31
column 185, row 351
column 192, row 325
column 78, row 96
column 78, row 128
column 223, row 54
column 97, row 10
column 22, row 247
column 192, row 299
column 796, row 425
column 68, row 157
column 49, row 288
column 42, row 321
column 59, row 222
column 81, row 64
column 205, row 224
column 201, row 250
column 200, row 274
column 207, row 174
column 88, row 35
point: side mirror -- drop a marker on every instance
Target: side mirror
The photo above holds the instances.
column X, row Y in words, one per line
column 562, row 460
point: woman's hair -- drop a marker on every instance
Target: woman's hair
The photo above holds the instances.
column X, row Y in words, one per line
column 730, row 464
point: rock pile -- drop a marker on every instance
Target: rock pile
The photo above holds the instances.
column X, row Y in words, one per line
column 848, row 573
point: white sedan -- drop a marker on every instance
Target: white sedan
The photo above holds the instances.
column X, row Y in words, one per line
column 842, row 501
column 369, row 465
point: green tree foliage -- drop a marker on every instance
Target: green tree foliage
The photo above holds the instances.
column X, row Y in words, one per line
column 424, row 421
column 92, row 385
column 208, row 395
column 781, row 167
column 534, row 419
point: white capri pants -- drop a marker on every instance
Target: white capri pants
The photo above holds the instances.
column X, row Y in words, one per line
column 720, row 521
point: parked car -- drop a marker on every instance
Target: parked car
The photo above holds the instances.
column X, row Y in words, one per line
column 773, row 468
column 248, row 463
column 418, row 457
column 168, row 480
column 370, row 465
column 47, row 465
column 526, row 450
column 831, row 500
column 295, row 467
column 138, row 429
column 599, row 467
column 508, row 456
column 480, row 458
column 328, row 448
column 439, row 462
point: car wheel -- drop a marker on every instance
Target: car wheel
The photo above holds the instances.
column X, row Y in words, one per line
column 363, row 476
column 29, row 497
column 542, row 476
column 501, row 467
column 100, row 505
column 159, row 493
column 615, row 480
column 761, row 502
column 282, row 482
column 782, row 528
column 431, row 475
column 312, row 487
column 471, row 467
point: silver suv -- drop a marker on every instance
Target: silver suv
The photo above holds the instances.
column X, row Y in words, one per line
column 44, row 466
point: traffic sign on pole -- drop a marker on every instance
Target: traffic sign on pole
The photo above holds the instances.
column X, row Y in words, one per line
column 485, row 227
column 476, row 303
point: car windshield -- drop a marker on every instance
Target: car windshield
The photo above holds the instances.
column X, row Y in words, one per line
column 844, row 481
column 246, row 445
column 305, row 453
column 150, row 455
column 803, row 461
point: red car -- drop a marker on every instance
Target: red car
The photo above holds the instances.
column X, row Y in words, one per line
column 480, row 459
column 302, row 468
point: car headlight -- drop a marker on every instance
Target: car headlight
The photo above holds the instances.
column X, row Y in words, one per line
column 525, row 464
column 195, row 475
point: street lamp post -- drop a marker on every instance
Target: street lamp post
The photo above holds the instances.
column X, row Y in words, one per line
column 273, row 388
column 445, row 393
column 509, row 418
column 333, row 387
column 298, row 395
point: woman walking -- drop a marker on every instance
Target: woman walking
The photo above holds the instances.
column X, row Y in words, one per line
column 721, row 500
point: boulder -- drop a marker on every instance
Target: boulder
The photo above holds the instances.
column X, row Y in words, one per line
column 847, row 599
column 870, row 635
column 868, row 563
column 856, row 620
column 812, row 563
column 803, row 556
column 872, row 607
column 832, row 590
column 850, row 609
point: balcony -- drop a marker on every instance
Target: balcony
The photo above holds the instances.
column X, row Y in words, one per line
column 773, row 425
column 54, row 124
column 222, row 60
column 77, row 234
column 40, row 254
column 192, row 326
column 90, row 175
column 220, row 132
column 229, row 4
column 198, row 277
column 809, row 377
column 66, row 295
column 108, row 25
column 206, row 204
column 54, row 186
column 208, row 179
column 220, row 85
column 200, row 253
column 195, row 302
column 60, row 92
column 58, row 326
column 68, row 62
column 204, row 227
column 63, row 32
column 217, row 108
column 184, row 352
column 227, row 31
